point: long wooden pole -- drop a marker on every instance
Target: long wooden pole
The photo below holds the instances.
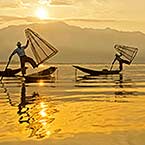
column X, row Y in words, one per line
column 5, row 70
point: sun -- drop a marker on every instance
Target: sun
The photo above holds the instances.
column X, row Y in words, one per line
column 42, row 13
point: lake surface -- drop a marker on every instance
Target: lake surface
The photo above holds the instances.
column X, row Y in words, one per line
column 69, row 110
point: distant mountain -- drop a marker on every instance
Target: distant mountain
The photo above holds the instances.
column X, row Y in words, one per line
column 75, row 44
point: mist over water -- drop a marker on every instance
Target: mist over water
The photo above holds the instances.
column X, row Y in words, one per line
column 69, row 108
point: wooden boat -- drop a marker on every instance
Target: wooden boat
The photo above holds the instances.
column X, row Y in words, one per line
column 42, row 75
column 97, row 73
column 125, row 54
column 10, row 72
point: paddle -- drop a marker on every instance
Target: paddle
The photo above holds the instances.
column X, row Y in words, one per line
column 5, row 70
column 112, row 63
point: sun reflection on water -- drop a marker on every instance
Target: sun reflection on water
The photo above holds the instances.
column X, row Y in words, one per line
column 41, row 83
column 43, row 113
column 39, row 115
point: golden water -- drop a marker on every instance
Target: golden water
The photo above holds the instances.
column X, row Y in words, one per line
column 105, row 110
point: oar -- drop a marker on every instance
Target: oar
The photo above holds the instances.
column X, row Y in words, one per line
column 112, row 63
column 111, row 67
column 5, row 70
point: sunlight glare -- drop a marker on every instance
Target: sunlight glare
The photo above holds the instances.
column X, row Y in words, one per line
column 41, row 13
column 43, row 122
column 42, row 104
column 43, row 113
column 41, row 82
column 41, row 65
column 48, row 133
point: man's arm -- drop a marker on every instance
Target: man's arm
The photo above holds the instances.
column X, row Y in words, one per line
column 13, row 53
column 27, row 43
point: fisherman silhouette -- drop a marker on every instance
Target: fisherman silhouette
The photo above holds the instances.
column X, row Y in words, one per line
column 121, row 61
column 20, row 51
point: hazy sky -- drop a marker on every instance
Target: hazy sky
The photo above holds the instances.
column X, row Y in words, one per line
column 132, row 12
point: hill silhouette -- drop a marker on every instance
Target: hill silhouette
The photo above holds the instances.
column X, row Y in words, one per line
column 75, row 44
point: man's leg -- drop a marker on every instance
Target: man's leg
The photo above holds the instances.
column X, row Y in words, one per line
column 120, row 66
column 22, row 59
column 31, row 61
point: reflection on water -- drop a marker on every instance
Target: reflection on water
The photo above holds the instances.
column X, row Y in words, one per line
column 66, row 107
column 116, row 82
column 36, row 113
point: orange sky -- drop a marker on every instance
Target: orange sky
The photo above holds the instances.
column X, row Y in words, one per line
column 126, row 15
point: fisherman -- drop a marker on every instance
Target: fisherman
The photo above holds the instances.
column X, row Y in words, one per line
column 20, row 50
column 121, row 61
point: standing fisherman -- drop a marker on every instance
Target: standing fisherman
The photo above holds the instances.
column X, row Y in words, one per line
column 121, row 61
column 20, row 50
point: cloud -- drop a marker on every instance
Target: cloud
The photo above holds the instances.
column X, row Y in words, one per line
column 15, row 3
column 90, row 20
column 43, row 1
column 18, row 3
column 29, row 1
column 111, row 21
column 10, row 3
column 62, row 2
column 9, row 18
column 34, row 19
column 87, row 9
column 15, row 18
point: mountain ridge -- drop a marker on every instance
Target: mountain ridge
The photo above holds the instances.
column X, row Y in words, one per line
column 75, row 44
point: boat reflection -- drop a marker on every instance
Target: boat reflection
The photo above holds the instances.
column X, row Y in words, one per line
column 100, row 81
column 37, row 114
column 109, row 88
column 124, row 87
